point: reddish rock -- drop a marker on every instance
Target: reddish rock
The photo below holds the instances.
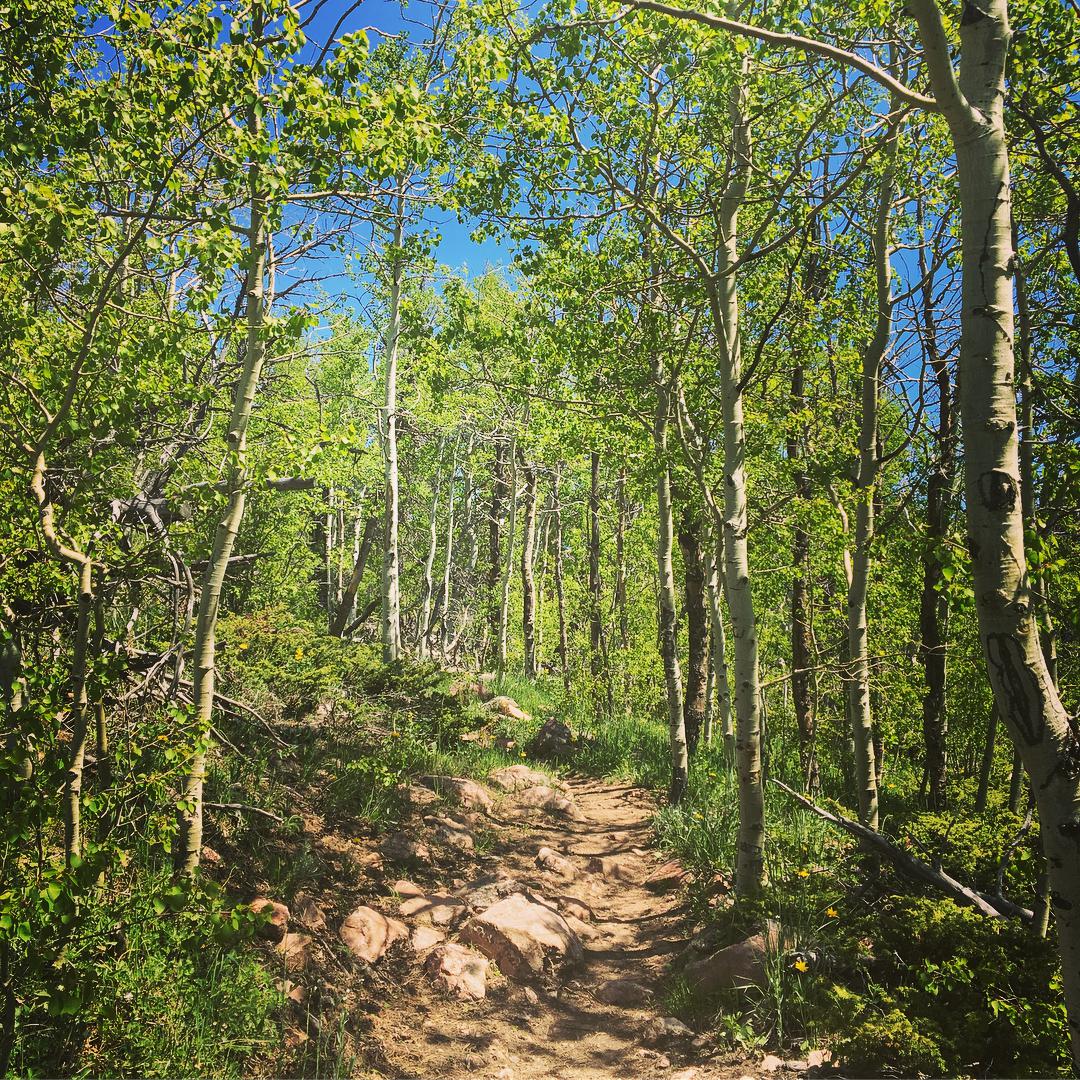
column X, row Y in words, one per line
column 571, row 906
column 468, row 793
column 296, row 950
column 451, row 833
column 482, row 893
column 668, row 877
column 518, row 777
column 554, row 863
column 368, row 933
column 278, row 918
column 549, row 800
column 461, row 971
column 407, row 888
column 520, row 936
column 741, row 964
column 424, row 938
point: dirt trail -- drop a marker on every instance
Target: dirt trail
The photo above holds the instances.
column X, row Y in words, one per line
column 559, row 1029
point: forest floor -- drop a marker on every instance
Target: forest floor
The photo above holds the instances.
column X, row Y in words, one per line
column 600, row 1015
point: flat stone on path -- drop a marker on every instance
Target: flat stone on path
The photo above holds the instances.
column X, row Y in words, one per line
column 549, row 800
column 741, row 964
column 518, row 778
column 624, row 992
column 554, row 863
column 468, row 793
column 520, row 936
column 424, row 938
column 368, row 933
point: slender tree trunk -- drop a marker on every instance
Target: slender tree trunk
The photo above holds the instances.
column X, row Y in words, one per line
column 391, row 579
column 189, row 841
column 441, row 614
column 869, row 465
column 1025, row 693
column 80, row 713
column 508, row 567
column 719, row 651
column 528, row 583
column 498, row 504
column 428, row 591
column 560, row 589
column 691, row 526
column 669, row 619
column 724, row 304
column 986, row 766
column 621, row 522
column 597, row 645
column 348, row 598
column 801, row 632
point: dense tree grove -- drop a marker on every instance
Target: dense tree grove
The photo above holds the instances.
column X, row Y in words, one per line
column 760, row 452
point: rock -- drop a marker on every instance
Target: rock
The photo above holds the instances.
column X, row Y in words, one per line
column 770, row 1063
column 368, row 933
column 816, row 1058
column 668, row 877
column 414, row 905
column 553, row 862
column 508, row 707
column 407, row 888
column 416, row 796
column 531, row 996
column 667, row 1027
column 520, row 936
column 624, row 992
column 467, row 792
column 741, row 964
column 399, row 847
column 796, row 1066
column 480, row 894
column 554, row 740
column 295, row 950
column 451, row 833
column 518, row 777
column 572, row 907
column 461, row 971
column 548, row 800
column 277, row 918
column 687, row 1074
column 616, row 868
column 424, row 938
column 309, row 913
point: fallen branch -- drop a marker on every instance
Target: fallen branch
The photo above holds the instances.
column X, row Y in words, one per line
column 244, row 809
column 993, row 907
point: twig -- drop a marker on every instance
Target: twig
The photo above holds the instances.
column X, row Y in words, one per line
column 991, row 906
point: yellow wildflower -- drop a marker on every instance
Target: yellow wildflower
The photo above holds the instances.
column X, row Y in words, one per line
column 804, row 872
column 395, row 734
column 832, row 913
column 801, row 965
column 242, row 646
column 299, row 654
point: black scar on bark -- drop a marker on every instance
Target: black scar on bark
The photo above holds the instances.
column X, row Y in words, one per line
column 972, row 14
column 997, row 490
column 1023, row 694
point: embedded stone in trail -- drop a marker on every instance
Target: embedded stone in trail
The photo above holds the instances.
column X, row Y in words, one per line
column 554, row 863
column 520, row 936
column 424, row 938
column 368, row 933
column 277, row 918
column 668, row 877
column 549, row 800
column 482, row 893
column 451, row 833
column 309, row 912
column 461, row 971
column 465, row 791
column 295, row 950
column 617, row 868
column 624, row 992
column 518, row 777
